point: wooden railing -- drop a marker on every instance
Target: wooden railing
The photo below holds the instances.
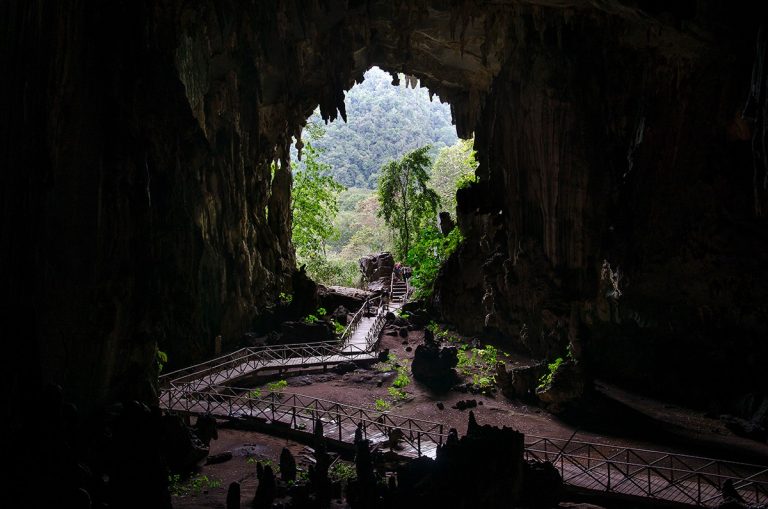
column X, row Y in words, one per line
column 650, row 474
column 301, row 413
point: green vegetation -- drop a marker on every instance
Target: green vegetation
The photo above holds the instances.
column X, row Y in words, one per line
column 381, row 405
column 314, row 205
column 406, row 202
column 161, row 358
column 338, row 328
column 193, row 486
column 427, row 255
column 383, row 123
column 454, row 168
column 277, row 386
column 546, row 379
column 397, row 394
column 285, row 298
column 478, row 363
column 342, row 472
column 255, row 394
column 378, row 147
column 311, row 319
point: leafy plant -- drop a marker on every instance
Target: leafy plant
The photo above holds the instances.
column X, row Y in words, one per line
column 381, row 405
column 402, row 379
column 311, row 319
column 161, row 358
column 341, row 471
column 277, row 386
column 427, row 254
column 321, row 312
column 546, row 379
column 390, row 364
column 255, row 393
column 338, row 328
column 405, row 199
column 285, row 298
column 397, row 394
column 194, row 486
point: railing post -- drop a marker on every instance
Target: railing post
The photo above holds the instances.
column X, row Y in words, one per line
column 418, row 443
column 441, row 435
column 698, row 486
column 273, row 407
column 608, row 488
column 338, row 419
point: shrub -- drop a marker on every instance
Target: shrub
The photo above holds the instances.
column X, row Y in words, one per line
column 341, row 471
column 193, row 486
column 277, row 386
column 381, row 405
column 546, row 379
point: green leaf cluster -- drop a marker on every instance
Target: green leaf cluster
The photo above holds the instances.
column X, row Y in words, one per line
column 406, row 201
column 314, row 205
column 427, row 255
column 383, row 123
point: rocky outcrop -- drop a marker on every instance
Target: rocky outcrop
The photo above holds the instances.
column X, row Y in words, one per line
column 565, row 387
column 377, row 270
column 520, row 382
column 141, row 205
column 434, row 365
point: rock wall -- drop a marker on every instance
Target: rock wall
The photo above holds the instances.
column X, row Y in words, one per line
column 140, row 207
column 615, row 207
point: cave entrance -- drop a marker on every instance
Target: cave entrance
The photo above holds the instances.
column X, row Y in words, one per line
column 335, row 197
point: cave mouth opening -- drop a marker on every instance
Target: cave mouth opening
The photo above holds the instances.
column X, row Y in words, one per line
column 386, row 115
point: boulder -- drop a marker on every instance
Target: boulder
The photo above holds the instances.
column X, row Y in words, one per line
column 331, row 297
column 520, row 382
column 567, row 386
column 434, row 366
column 302, row 332
column 344, row 367
column 341, row 315
column 377, row 269
column 445, row 223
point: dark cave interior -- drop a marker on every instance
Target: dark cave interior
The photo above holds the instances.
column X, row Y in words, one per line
column 620, row 209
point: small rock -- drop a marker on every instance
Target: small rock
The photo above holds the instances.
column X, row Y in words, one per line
column 222, row 457
column 344, row 367
column 440, row 405
column 464, row 404
column 408, row 349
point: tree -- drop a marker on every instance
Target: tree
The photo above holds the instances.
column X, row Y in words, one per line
column 314, row 205
column 406, row 201
column 453, row 167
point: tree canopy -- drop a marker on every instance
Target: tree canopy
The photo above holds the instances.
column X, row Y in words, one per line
column 454, row 166
column 406, row 202
column 383, row 123
column 314, row 205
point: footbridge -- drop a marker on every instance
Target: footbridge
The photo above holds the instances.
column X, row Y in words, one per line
column 208, row 388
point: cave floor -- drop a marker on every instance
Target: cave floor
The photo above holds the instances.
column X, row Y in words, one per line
column 611, row 416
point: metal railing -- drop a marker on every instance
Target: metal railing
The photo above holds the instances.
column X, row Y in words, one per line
column 647, row 473
column 248, row 360
column 355, row 321
column 302, row 413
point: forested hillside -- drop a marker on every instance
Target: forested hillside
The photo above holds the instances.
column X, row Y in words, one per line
column 383, row 123
column 332, row 228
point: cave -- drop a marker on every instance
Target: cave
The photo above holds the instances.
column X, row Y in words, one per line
column 620, row 209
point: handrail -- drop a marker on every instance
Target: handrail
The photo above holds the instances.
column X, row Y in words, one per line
column 649, row 473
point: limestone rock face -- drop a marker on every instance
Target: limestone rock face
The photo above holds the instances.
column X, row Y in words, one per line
column 142, row 208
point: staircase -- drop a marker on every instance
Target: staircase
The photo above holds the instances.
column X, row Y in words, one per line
column 399, row 290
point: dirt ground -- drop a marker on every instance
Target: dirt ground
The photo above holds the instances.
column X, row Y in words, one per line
column 612, row 417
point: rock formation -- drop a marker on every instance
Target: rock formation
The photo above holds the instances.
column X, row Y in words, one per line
column 620, row 204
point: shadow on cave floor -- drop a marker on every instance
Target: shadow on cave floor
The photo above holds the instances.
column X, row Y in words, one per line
column 614, row 413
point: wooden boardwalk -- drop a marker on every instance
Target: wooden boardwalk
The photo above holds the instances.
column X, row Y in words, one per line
column 206, row 388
